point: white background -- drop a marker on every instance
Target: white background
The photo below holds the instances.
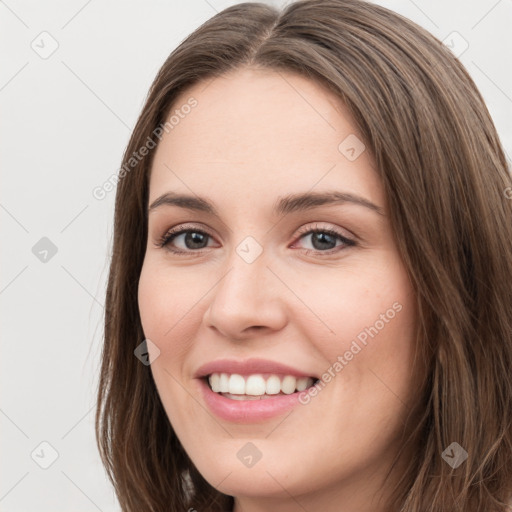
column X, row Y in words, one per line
column 65, row 122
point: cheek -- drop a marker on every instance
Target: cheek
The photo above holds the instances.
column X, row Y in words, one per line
column 165, row 301
column 364, row 332
column 166, row 309
column 360, row 303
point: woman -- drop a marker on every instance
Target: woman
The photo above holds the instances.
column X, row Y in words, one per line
column 272, row 371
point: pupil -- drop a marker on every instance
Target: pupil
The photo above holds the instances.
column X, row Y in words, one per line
column 320, row 237
column 194, row 238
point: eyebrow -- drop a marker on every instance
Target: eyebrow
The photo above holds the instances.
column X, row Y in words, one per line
column 284, row 205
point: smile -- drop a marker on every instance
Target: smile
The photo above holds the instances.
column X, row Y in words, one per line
column 257, row 386
column 251, row 390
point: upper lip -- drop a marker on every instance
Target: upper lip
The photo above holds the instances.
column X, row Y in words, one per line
column 248, row 367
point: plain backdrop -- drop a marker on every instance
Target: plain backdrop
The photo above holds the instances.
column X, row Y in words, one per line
column 65, row 121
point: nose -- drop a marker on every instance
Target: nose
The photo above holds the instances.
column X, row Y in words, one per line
column 248, row 300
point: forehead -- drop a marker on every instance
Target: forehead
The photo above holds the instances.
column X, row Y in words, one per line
column 259, row 133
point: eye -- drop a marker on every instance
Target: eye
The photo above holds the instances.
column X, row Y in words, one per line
column 323, row 240
column 193, row 240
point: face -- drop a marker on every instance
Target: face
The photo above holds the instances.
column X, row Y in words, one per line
column 249, row 279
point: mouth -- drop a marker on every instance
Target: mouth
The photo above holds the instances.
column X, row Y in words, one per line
column 252, row 390
column 258, row 386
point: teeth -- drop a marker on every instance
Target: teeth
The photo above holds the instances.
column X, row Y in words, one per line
column 288, row 385
column 303, row 383
column 257, row 385
column 236, row 384
column 215, row 382
column 224, row 383
column 273, row 385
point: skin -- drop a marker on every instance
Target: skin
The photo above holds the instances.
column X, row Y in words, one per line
column 254, row 136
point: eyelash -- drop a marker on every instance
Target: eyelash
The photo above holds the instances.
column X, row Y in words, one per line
column 173, row 233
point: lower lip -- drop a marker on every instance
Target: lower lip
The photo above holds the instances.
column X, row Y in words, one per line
column 247, row 411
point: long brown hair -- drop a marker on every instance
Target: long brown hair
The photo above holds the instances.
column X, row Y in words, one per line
column 447, row 185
